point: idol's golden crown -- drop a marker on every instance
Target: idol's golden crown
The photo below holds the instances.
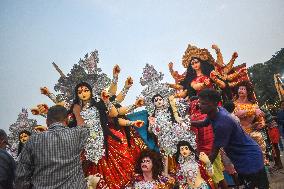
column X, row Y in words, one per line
column 195, row 52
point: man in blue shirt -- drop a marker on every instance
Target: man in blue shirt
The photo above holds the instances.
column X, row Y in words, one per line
column 243, row 151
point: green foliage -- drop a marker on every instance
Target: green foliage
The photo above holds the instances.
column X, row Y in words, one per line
column 261, row 76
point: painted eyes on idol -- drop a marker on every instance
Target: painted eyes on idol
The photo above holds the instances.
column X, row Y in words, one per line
column 84, row 90
column 194, row 61
column 146, row 161
column 158, row 99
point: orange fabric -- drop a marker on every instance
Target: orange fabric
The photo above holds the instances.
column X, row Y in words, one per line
column 201, row 79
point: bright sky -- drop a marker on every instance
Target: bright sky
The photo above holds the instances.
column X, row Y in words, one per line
column 130, row 33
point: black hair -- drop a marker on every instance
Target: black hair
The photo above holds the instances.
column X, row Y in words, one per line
column 193, row 98
column 101, row 107
column 210, row 95
column 185, row 143
column 206, row 69
column 21, row 145
column 156, row 95
column 3, row 134
column 56, row 113
column 229, row 106
column 157, row 162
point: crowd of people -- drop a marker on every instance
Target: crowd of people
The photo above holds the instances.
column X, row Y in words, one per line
column 209, row 125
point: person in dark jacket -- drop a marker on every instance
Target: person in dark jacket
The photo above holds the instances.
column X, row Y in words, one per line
column 7, row 164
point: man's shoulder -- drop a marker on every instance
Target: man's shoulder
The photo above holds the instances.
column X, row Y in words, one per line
column 5, row 155
column 223, row 115
column 280, row 113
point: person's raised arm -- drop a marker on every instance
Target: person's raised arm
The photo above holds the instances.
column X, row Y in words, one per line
column 76, row 111
column 201, row 123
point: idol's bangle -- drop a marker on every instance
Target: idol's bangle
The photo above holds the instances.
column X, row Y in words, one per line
column 124, row 91
column 209, row 166
column 130, row 123
column 52, row 97
column 43, row 115
column 109, row 106
column 114, row 79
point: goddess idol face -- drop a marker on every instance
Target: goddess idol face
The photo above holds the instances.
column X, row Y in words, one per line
column 185, row 151
column 195, row 64
column 158, row 102
column 242, row 91
column 84, row 93
column 24, row 137
column 146, row 164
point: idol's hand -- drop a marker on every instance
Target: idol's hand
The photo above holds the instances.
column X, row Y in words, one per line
column 204, row 158
column 215, row 47
column 139, row 102
column 44, row 91
column 105, row 96
column 116, row 70
column 35, row 111
column 207, row 81
column 235, row 55
column 128, row 82
column 213, row 75
column 43, row 108
column 138, row 123
column 152, row 120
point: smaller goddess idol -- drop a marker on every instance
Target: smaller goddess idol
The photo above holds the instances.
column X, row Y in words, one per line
column 193, row 171
column 170, row 125
column 250, row 115
column 24, row 136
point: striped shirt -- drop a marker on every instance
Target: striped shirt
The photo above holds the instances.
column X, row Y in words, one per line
column 51, row 159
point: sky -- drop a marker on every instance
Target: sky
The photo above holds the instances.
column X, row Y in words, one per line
column 130, row 33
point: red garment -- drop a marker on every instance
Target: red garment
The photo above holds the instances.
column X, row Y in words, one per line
column 205, row 176
column 204, row 135
column 118, row 169
column 201, row 79
column 274, row 135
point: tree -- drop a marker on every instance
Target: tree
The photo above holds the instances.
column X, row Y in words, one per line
column 261, row 75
